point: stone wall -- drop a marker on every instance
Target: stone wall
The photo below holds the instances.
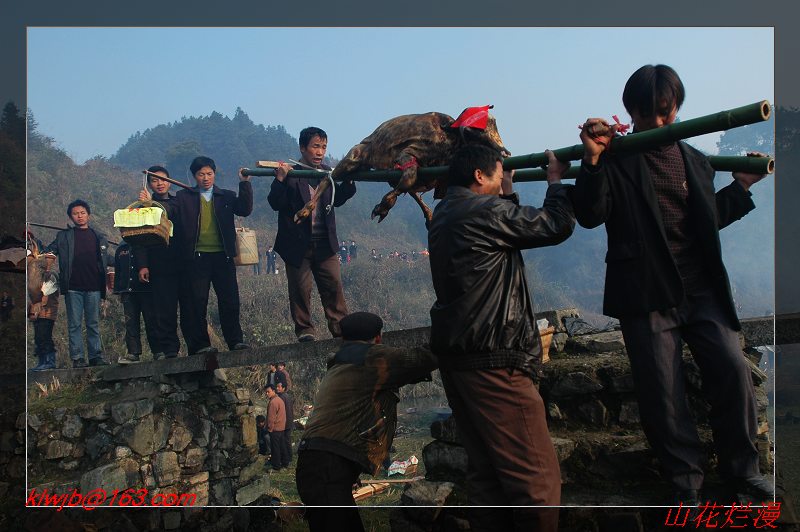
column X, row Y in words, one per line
column 186, row 434
column 594, row 424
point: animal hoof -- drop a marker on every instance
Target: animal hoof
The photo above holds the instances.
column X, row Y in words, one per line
column 379, row 213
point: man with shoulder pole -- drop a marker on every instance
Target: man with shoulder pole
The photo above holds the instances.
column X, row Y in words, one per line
column 207, row 247
column 484, row 332
column 667, row 284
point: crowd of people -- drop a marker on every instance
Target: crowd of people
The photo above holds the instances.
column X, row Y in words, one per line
column 403, row 256
column 665, row 282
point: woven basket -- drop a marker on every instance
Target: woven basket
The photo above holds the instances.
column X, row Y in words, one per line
column 246, row 247
column 147, row 234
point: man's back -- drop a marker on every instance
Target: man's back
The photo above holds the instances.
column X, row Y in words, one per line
column 483, row 304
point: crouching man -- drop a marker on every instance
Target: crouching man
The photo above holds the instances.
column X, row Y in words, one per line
column 355, row 416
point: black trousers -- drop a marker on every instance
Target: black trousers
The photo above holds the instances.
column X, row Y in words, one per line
column 168, row 291
column 135, row 305
column 326, row 479
column 277, row 441
column 287, row 445
column 203, row 271
column 43, row 337
column 655, row 350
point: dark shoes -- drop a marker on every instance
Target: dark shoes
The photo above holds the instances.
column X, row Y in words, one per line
column 306, row 338
column 752, row 489
column 46, row 362
column 240, row 347
column 128, row 359
column 171, row 354
column 207, row 351
column 158, row 356
column 97, row 362
column 79, row 363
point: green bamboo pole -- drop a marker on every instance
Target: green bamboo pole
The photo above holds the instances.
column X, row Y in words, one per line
column 722, row 121
column 753, row 165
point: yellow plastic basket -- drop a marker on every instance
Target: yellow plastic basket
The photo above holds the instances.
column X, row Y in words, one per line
column 144, row 226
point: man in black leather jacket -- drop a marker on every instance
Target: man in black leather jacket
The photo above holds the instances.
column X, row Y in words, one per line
column 484, row 332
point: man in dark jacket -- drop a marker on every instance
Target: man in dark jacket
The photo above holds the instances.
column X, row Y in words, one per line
column 484, row 332
column 137, row 302
column 82, row 262
column 288, row 403
column 207, row 243
column 310, row 248
column 161, row 266
column 354, row 419
column 666, row 282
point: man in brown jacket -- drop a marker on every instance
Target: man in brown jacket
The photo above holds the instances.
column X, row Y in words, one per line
column 276, row 425
column 354, row 419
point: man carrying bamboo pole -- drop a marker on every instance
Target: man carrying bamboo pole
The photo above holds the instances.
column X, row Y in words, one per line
column 666, row 283
column 161, row 266
column 309, row 248
column 484, row 332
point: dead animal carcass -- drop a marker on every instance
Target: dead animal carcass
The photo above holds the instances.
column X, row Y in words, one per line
column 409, row 142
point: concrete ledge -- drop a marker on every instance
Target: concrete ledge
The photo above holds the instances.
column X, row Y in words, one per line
column 226, row 359
column 782, row 329
column 787, row 329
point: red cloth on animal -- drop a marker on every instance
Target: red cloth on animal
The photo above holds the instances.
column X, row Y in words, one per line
column 477, row 117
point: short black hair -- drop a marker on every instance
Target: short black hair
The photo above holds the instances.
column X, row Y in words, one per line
column 200, row 162
column 308, row 133
column 281, row 363
column 266, row 386
column 78, row 203
column 261, row 419
column 156, row 168
column 651, row 86
column 469, row 158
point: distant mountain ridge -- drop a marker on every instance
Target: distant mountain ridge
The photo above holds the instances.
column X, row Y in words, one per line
column 231, row 142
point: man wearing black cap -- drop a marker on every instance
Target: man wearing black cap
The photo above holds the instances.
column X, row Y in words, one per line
column 354, row 419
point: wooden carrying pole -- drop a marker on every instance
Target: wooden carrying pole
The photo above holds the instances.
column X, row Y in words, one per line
column 167, row 179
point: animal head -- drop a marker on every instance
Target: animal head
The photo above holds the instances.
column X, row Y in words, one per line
column 476, row 125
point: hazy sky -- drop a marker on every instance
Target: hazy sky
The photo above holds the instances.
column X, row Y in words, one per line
column 91, row 88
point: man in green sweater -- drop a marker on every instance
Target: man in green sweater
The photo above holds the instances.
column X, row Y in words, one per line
column 204, row 220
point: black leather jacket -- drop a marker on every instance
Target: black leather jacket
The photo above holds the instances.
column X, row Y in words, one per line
column 483, row 317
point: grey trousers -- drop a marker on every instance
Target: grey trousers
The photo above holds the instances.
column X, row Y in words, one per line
column 326, row 273
column 654, row 348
